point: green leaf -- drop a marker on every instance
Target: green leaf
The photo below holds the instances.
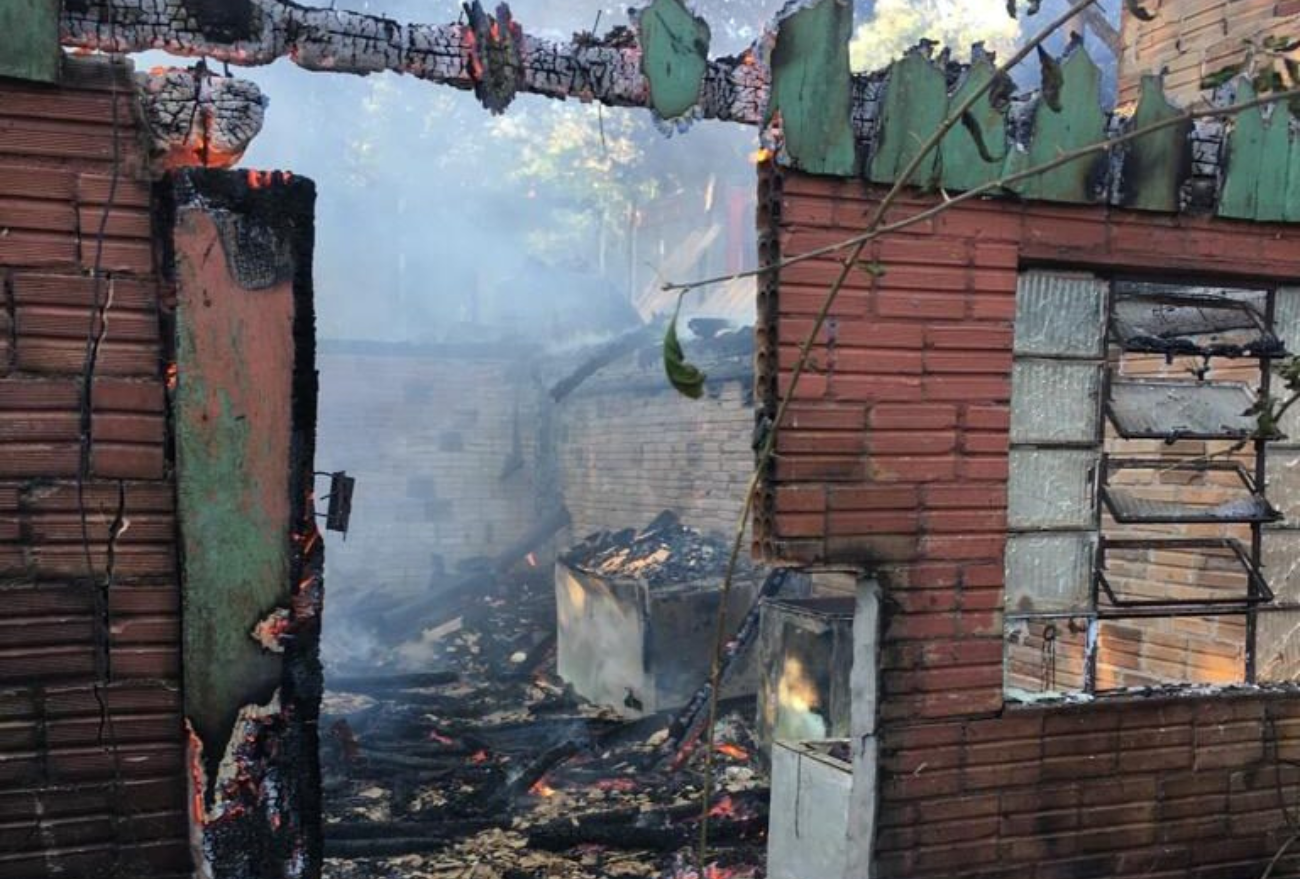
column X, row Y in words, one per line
column 872, row 268
column 1220, row 76
column 685, row 377
column 1268, row 81
column 1053, row 79
column 1138, row 11
column 1292, row 70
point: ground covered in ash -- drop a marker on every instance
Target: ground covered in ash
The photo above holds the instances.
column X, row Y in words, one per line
column 488, row 767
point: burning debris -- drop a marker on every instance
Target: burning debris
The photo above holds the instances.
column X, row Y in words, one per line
column 665, row 552
column 638, row 613
column 198, row 119
column 491, row 764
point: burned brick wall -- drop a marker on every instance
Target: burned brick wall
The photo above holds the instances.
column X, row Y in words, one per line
column 630, row 447
column 442, row 441
column 896, row 457
column 92, row 768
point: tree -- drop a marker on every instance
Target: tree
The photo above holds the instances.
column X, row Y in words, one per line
column 898, row 25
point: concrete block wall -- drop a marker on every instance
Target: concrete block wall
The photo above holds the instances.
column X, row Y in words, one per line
column 895, row 459
column 428, row 434
column 92, row 768
column 626, row 455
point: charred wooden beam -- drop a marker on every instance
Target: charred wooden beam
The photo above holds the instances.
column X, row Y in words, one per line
column 390, row 830
column 490, row 55
column 196, row 118
column 564, row 835
column 393, row 683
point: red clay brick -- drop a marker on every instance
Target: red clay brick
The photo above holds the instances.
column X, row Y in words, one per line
column 913, row 469
column 874, row 497
column 966, row 389
column 927, row 442
column 969, row 337
column 983, row 362
column 913, row 416
column 869, row 389
column 921, row 306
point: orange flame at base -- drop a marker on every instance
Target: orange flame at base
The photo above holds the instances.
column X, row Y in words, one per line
column 542, row 789
column 735, row 752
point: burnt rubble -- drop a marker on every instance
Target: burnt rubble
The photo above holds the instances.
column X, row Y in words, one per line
column 664, row 553
column 487, row 765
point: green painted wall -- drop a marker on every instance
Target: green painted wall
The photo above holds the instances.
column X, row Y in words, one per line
column 232, row 407
column 29, row 39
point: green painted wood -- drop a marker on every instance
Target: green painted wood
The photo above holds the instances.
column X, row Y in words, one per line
column 675, row 56
column 962, row 166
column 812, row 88
column 29, row 39
column 1293, row 183
column 1156, row 162
column 1275, row 161
column 1079, row 123
column 1240, row 196
column 916, row 103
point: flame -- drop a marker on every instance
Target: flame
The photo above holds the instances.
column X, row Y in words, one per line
column 761, row 156
column 173, row 376
column 542, row 789
column 796, row 690
column 198, row 778
column 259, row 179
column 735, row 752
column 725, row 808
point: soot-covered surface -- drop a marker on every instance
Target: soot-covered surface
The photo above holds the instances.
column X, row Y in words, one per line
column 487, row 766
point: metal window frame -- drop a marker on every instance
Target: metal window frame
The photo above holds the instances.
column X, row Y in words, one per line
column 1258, row 592
column 1111, row 465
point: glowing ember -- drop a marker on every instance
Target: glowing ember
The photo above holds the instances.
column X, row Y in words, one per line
column 735, row 752
column 542, row 789
column 173, row 376
column 198, row 778
column 725, row 808
column 479, row 758
column 761, row 156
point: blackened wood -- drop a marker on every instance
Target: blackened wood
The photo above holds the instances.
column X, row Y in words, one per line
column 352, row 849
column 453, row 829
column 506, row 796
column 687, row 726
column 392, row 683
column 562, row 836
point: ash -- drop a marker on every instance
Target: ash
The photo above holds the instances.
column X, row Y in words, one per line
column 488, row 767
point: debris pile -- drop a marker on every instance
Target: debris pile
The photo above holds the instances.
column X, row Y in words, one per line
column 488, row 766
column 665, row 552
